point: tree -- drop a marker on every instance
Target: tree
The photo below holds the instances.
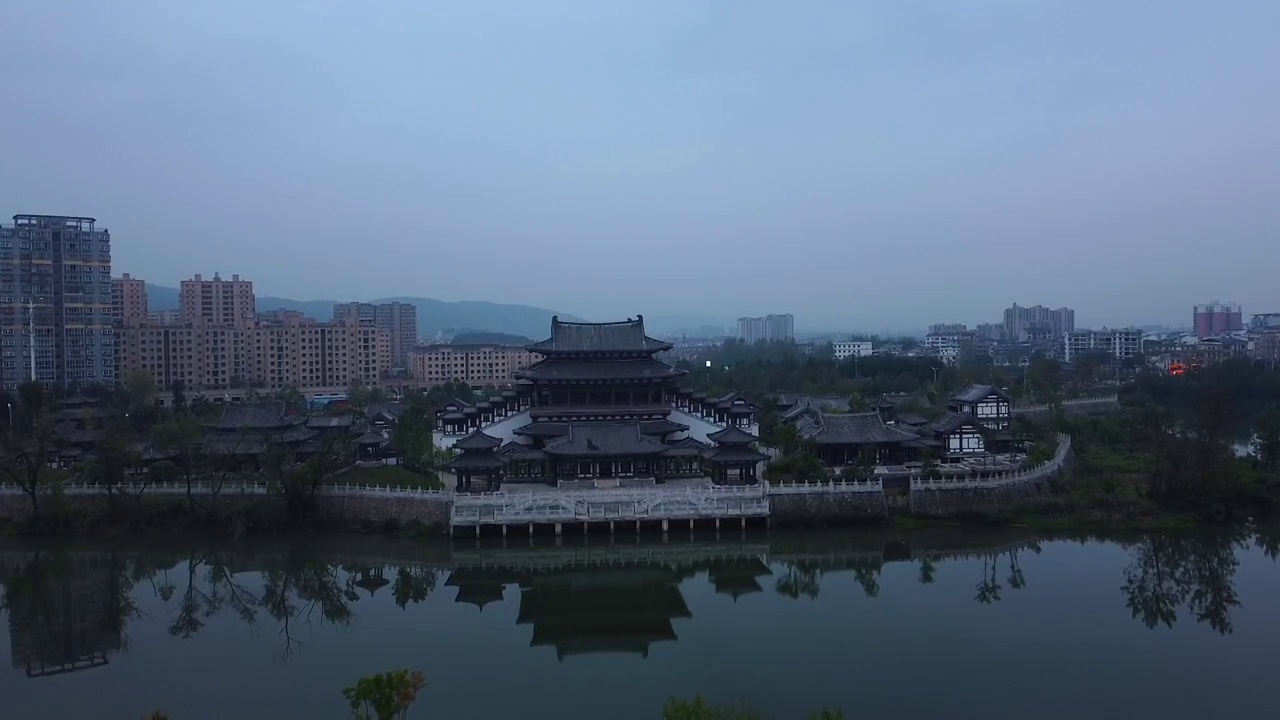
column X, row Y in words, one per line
column 114, row 461
column 297, row 482
column 385, row 696
column 1044, row 376
column 29, row 441
column 179, row 389
column 184, row 437
column 412, row 439
column 1266, row 441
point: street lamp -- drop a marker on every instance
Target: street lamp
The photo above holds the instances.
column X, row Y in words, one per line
column 10, row 413
column 935, row 374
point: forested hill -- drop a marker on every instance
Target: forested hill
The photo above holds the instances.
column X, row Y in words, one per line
column 433, row 315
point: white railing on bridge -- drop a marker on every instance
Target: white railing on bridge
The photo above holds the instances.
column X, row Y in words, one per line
column 625, row 504
column 1037, row 472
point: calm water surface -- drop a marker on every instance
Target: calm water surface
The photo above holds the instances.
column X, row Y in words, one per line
column 996, row 624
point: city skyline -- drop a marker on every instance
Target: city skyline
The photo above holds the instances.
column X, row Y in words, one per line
column 824, row 156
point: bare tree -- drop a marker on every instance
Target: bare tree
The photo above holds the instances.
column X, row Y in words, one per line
column 28, row 442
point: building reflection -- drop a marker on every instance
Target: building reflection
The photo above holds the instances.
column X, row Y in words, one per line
column 581, row 610
column 64, row 612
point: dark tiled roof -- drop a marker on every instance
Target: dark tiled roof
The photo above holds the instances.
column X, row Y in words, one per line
column 975, row 393
column 618, row 411
column 852, row 429
column 621, row 438
column 626, row 336
column 259, row 417
column 320, row 422
column 950, row 422
column 387, row 411
column 371, row 438
column 661, row 427
column 477, row 440
column 911, row 419
column 80, row 412
column 233, row 445
column 734, row 454
column 686, row 447
column 516, row 451
column 477, row 461
column 543, row 429
column 634, row 369
column 69, row 432
column 732, row 436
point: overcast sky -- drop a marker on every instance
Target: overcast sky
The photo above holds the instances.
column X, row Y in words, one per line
column 862, row 165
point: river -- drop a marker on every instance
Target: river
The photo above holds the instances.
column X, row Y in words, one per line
column 937, row 624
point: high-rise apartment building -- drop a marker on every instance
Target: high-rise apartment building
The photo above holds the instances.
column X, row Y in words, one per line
column 1215, row 318
column 400, row 320
column 129, row 300
column 769, row 328
column 55, row 302
column 217, row 302
column 471, row 364
column 1037, row 322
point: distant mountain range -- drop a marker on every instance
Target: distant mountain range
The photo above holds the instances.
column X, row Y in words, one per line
column 434, row 316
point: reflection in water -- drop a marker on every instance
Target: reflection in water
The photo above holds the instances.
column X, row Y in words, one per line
column 69, row 610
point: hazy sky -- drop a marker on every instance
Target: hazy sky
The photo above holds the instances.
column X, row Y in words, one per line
column 861, row 165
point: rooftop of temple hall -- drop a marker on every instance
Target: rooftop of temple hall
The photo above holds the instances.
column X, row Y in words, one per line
column 627, row 336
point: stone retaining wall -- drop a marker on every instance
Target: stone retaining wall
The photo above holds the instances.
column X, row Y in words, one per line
column 353, row 511
column 827, row 509
column 937, row 502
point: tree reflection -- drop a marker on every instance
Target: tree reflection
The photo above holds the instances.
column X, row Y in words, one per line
column 413, row 584
column 799, row 579
column 1168, row 572
column 209, row 588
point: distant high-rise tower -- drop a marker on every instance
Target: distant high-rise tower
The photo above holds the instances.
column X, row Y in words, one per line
column 769, row 328
column 55, row 302
column 400, row 320
column 1022, row 323
column 1217, row 318
column 128, row 300
column 218, row 302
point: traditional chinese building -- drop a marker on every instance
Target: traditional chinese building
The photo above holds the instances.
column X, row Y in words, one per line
column 600, row 371
column 600, row 409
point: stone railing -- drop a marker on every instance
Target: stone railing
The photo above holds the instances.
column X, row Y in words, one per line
column 1092, row 399
column 205, row 487
column 1037, row 472
column 873, row 485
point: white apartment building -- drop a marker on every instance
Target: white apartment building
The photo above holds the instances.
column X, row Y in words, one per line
column 1119, row 343
column 842, row 350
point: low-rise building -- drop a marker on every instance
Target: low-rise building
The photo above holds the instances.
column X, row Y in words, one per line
column 1118, row 343
column 842, row 350
column 471, row 364
column 948, row 346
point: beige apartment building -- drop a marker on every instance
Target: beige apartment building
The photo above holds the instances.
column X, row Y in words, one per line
column 471, row 364
column 306, row 353
column 128, row 300
column 220, row 343
column 400, row 320
column 299, row 353
column 217, row 302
